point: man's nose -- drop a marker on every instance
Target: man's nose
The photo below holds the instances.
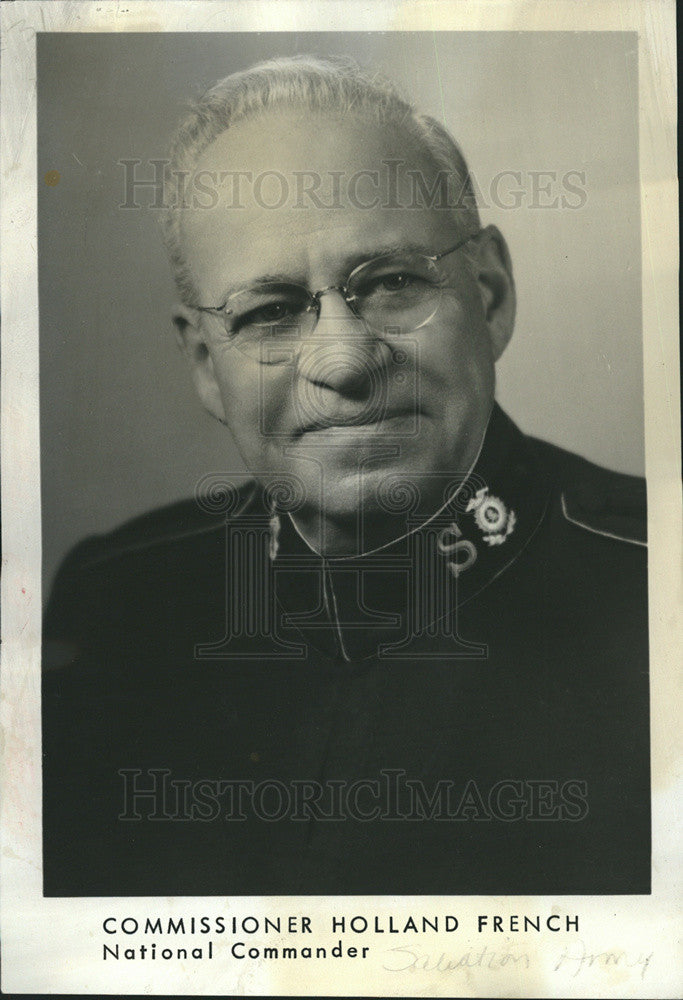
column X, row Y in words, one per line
column 342, row 353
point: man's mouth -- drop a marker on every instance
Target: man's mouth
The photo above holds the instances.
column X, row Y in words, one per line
column 360, row 422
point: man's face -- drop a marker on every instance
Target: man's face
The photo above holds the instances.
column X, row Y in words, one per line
column 354, row 407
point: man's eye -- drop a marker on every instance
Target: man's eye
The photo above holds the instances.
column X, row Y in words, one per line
column 267, row 315
column 395, row 282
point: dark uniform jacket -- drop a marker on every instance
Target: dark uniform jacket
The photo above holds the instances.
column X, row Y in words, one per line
column 463, row 711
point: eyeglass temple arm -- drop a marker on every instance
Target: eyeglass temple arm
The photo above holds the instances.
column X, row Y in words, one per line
column 213, row 309
column 444, row 253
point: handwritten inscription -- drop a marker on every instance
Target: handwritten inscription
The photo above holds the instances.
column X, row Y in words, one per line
column 576, row 958
column 402, row 959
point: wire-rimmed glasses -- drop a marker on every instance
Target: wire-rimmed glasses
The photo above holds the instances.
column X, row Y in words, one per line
column 393, row 295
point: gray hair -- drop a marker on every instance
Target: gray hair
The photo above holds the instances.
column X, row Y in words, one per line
column 317, row 84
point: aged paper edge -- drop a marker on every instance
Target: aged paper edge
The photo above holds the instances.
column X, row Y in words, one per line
column 47, row 943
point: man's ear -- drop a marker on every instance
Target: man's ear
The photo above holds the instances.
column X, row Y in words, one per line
column 192, row 342
column 497, row 286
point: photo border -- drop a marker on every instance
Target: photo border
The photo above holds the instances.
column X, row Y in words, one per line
column 52, row 945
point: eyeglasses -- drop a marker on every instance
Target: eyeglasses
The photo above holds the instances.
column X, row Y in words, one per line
column 392, row 295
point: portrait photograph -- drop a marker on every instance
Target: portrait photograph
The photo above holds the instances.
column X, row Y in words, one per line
column 416, row 637
column 349, row 519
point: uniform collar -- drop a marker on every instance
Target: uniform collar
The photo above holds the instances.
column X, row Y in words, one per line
column 379, row 604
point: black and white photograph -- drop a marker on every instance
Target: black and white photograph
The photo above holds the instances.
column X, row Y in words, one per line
column 389, row 643
column 346, row 497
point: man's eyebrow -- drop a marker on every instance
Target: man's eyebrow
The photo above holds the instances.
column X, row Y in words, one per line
column 355, row 259
column 261, row 279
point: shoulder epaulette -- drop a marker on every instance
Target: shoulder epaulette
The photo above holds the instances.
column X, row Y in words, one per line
column 611, row 504
column 159, row 527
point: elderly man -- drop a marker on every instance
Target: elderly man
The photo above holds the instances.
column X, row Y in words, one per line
column 410, row 654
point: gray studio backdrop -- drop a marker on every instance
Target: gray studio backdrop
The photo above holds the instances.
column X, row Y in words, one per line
column 121, row 429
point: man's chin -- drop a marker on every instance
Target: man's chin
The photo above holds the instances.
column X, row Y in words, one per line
column 355, row 513
column 376, row 501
